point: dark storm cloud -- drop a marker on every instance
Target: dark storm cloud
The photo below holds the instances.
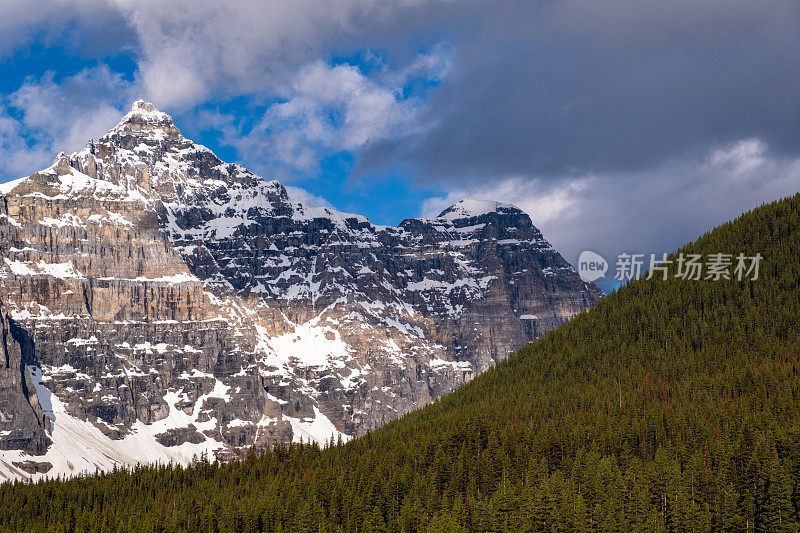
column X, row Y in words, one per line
column 586, row 87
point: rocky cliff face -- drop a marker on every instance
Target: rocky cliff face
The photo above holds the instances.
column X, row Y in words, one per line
column 158, row 303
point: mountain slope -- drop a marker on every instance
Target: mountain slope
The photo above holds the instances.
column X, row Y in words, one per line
column 671, row 405
column 162, row 304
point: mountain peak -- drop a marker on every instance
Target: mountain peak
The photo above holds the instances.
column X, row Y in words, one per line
column 148, row 111
column 471, row 207
column 145, row 120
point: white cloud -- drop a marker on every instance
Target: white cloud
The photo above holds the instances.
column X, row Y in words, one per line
column 340, row 108
column 326, row 109
column 43, row 117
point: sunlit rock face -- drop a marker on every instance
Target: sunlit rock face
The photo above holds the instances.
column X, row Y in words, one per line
column 159, row 304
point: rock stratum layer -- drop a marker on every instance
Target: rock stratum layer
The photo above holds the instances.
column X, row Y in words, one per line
column 158, row 304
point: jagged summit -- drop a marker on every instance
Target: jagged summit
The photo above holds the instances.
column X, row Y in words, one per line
column 142, row 108
column 472, row 208
column 142, row 111
column 144, row 122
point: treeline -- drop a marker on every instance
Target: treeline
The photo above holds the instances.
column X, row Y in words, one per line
column 671, row 406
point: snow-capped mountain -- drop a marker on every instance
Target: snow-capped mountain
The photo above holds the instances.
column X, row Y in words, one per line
column 158, row 303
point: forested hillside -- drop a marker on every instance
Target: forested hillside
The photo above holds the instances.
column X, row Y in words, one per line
column 670, row 406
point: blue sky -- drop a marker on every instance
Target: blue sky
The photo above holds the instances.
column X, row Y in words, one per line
column 628, row 126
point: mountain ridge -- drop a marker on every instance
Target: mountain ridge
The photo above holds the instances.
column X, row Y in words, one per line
column 166, row 298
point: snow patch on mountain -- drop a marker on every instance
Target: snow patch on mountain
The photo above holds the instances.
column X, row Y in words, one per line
column 318, row 429
column 79, row 447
